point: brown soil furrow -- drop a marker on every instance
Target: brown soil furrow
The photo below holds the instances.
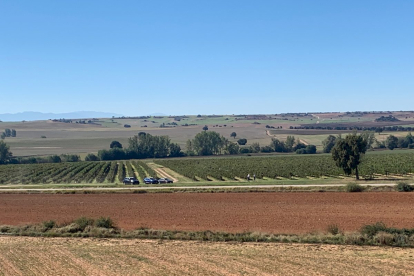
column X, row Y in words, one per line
column 231, row 212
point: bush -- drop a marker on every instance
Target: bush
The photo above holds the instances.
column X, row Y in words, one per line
column 104, row 222
column 354, row 188
column 384, row 238
column 372, row 229
column 49, row 224
column 333, row 229
column 404, row 187
column 91, row 157
column 83, row 222
column 411, row 146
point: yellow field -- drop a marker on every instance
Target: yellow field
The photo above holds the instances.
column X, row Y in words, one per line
column 71, row 256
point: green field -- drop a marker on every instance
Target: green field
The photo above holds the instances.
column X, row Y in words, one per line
column 213, row 170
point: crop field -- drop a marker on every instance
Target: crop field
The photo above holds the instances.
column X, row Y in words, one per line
column 286, row 166
column 188, row 170
column 64, row 256
column 76, row 172
column 63, row 138
column 279, row 213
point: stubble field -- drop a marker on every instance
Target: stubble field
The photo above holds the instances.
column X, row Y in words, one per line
column 63, row 256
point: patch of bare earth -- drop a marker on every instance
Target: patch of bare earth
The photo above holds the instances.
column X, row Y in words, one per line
column 71, row 256
column 163, row 173
column 230, row 212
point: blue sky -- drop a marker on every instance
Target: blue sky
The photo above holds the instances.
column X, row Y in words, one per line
column 208, row 57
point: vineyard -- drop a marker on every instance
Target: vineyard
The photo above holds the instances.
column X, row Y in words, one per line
column 208, row 169
column 286, row 166
column 76, row 172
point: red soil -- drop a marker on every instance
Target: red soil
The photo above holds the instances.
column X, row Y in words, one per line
column 231, row 212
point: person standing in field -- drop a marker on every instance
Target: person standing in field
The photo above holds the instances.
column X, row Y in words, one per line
column 248, row 177
column 254, row 177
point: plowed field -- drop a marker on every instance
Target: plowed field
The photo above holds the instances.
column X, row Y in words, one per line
column 231, row 212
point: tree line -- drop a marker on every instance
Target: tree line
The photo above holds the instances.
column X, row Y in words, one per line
column 8, row 133
column 391, row 142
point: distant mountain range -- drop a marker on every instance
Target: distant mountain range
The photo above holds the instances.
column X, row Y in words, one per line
column 35, row 116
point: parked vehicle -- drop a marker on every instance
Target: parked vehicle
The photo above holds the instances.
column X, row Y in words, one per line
column 130, row 181
column 165, row 180
column 150, row 180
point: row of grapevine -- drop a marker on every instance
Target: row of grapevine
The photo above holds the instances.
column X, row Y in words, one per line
column 286, row 166
column 150, row 171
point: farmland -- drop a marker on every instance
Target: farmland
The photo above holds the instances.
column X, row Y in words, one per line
column 63, row 138
column 63, row 256
column 187, row 170
column 286, row 166
column 278, row 212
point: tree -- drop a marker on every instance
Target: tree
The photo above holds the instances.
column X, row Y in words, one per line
column 369, row 137
column 233, row 134
column 242, row 142
column 277, row 145
column 91, row 157
column 255, row 148
column 5, row 153
column 391, row 142
column 328, row 143
column 13, row 133
column 7, row 131
column 347, row 153
column 208, row 143
column 3, row 135
column 175, row 150
column 290, row 141
column 205, row 128
column 115, row 144
column 232, row 148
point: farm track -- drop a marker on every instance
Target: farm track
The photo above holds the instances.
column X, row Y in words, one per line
column 230, row 212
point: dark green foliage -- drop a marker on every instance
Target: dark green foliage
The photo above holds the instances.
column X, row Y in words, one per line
column 347, row 153
column 328, row 143
column 91, row 157
column 242, row 142
column 391, row 142
column 13, row 133
column 104, row 222
column 49, row 224
column 207, row 143
column 233, row 134
column 333, row 229
column 354, row 188
column 309, row 149
column 83, row 222
column 115, row 144
column 372, row 229
column 112, row 154
column 404, row 187
column 54, row 159
column 205, row 128
column 5, row 153
column 70, row 158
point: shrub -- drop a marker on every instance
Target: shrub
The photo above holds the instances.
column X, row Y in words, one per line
column 404, row 187
column 372, row 229
column 104, row 222
column 83, row 222
column 333, row 229
column 354, row 188
column 384, row 238
column 49, row 224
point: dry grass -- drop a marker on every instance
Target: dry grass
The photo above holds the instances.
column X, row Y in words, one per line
column 68, row 256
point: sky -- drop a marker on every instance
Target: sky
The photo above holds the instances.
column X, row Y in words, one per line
column 180, row 57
